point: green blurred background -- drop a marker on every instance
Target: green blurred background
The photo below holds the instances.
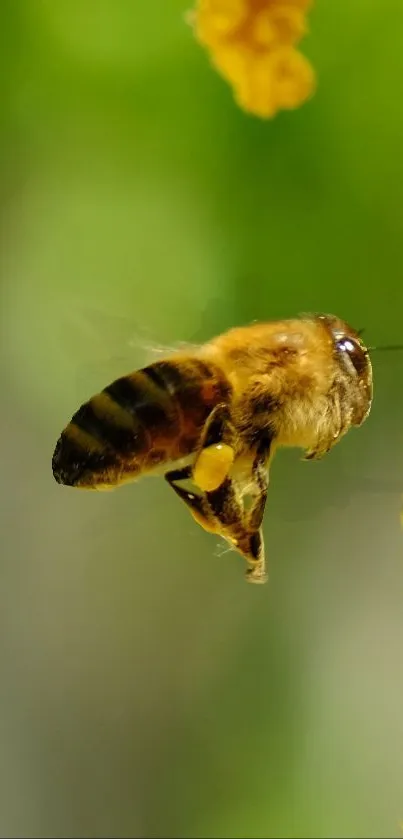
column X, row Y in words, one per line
column 146, row 690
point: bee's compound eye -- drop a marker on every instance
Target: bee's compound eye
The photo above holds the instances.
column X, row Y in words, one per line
column 356, row 353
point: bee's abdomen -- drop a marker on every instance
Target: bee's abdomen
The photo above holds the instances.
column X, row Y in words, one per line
column 140, row 421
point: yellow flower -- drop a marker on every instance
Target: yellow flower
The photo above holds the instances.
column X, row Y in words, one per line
column 252, row 44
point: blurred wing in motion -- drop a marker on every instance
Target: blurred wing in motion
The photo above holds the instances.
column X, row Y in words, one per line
column 108, row 346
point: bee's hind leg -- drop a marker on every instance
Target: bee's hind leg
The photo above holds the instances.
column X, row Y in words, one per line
column 234, row 525
column 260, row 478
column 216, row 450
column 221, row 511
column 254, row 544
column 195, row 503
column 255, row 557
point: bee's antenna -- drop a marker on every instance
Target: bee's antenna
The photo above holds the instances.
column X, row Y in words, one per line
column 387, row 347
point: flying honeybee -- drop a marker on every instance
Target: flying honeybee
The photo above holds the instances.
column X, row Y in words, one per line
column 211, row 418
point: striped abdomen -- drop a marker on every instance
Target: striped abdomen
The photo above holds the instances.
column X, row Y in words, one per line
column 139, row 422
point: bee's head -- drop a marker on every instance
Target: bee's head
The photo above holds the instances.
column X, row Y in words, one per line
column 352, row 357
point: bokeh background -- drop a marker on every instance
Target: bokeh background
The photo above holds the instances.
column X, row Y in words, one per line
column 145, row 689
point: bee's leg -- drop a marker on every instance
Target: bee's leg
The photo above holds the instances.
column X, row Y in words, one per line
column 322, row 447
column 196, row 504
column 216, row 451
column 257, row 572
column 260, row 476
column 251, row 547
column 233, row 525
column 222, row 512
column 316, row 454
column 340, row 424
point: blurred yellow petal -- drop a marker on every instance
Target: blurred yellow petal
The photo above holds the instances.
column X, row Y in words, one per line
column 264, row 30
column 254, row 90
column 219, row 18
column 293, row 78
column 265, row 84
column 251, row 44
column 282, row 24
column 232, row 64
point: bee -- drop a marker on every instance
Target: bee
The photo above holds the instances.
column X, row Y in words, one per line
column 211, row 418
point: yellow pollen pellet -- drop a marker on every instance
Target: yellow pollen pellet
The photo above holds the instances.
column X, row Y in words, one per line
column 212, row 466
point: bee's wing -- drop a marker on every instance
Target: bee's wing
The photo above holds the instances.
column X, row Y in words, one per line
column 106, row 346
column 103, row 345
